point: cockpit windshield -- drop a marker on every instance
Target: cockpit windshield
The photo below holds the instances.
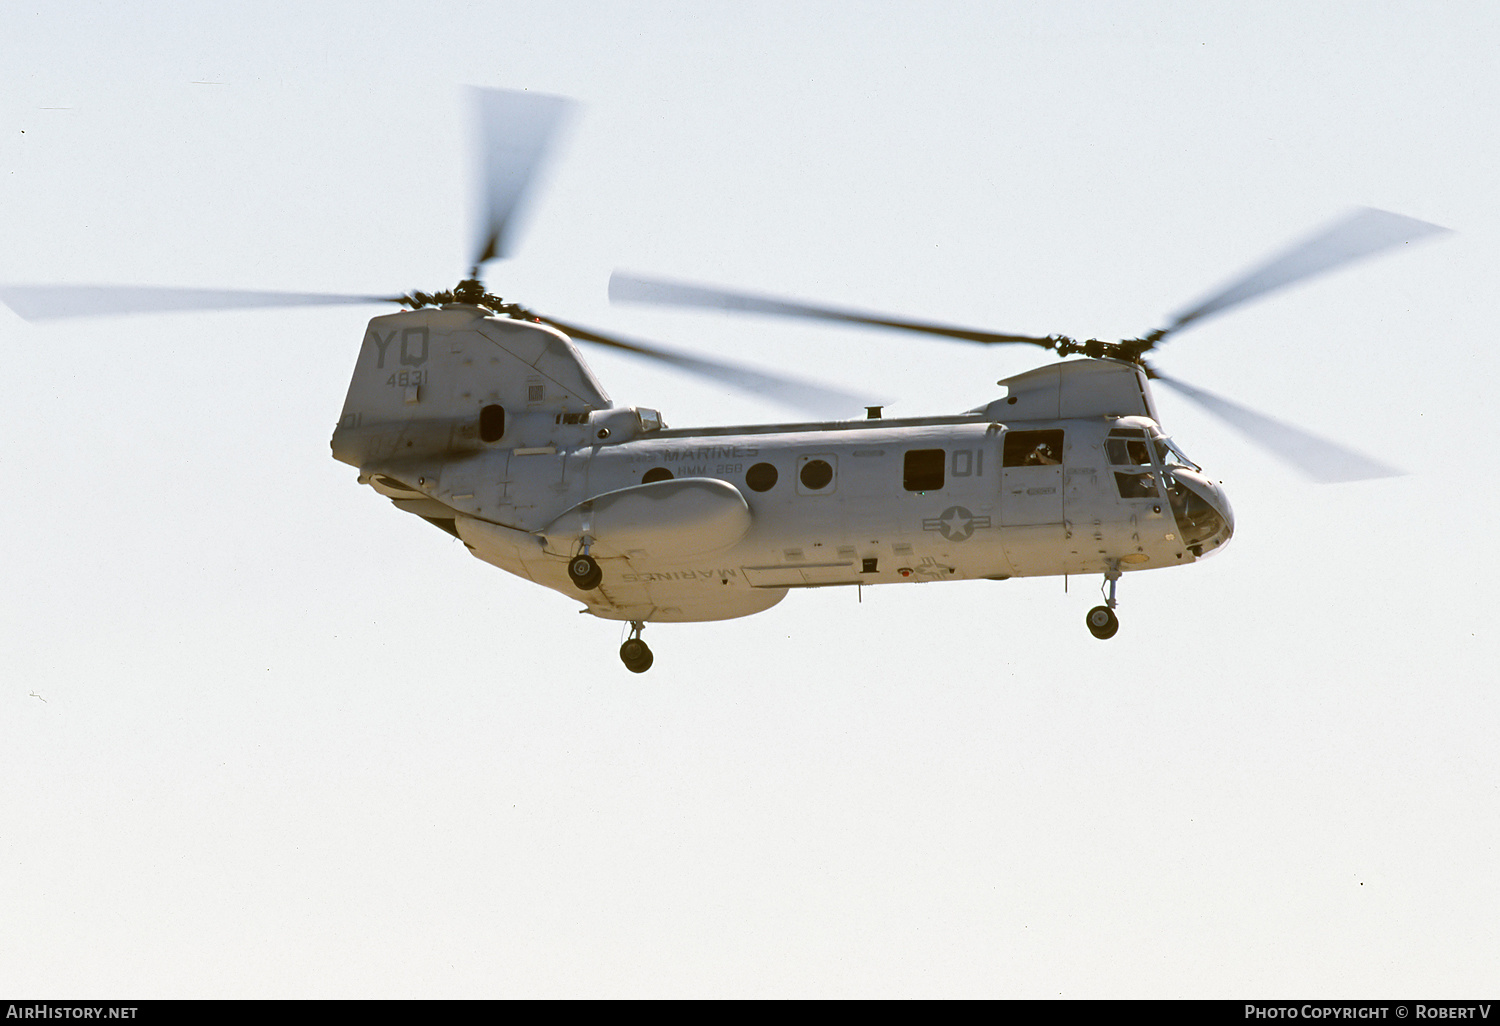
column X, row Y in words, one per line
column 1204, row 525
column 1170, row 455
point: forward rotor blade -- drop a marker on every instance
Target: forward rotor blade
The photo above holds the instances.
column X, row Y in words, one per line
column 1363, row 233
column 514, row 130
column 51, row 302
column 807, row 396
column 1321, row 460
column 626, row 288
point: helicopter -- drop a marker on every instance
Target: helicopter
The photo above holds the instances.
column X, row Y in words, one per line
column 481, row 417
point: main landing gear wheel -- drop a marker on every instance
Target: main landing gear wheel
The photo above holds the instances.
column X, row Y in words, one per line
column 636, row 656
column 585, row 573
column 634, row 653
column 1103, row 623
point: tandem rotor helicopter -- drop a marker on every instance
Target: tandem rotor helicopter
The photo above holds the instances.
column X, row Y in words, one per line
column 482, row 418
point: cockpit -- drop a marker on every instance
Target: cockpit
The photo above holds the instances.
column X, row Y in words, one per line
column 1137, row 455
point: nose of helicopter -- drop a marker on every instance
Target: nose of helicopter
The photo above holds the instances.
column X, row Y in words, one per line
column 1202, row 510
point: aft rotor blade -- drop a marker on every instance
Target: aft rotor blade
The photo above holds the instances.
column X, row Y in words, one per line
column 1321, row 460
column 627, row 288
column 807, row 396
column 51, row 302
column 1363, row 233
column 514, row 131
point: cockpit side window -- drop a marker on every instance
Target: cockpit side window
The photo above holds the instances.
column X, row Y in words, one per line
column 1127, row 447
column 1033, row 448
column 1137, row 486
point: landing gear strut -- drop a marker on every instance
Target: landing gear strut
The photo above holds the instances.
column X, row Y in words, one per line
column 582, row 569
column 1101, row 619
column 634, row 653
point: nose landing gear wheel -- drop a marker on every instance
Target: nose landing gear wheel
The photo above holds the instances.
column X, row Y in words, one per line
column 636, row 656
column 585, row 573
column 1102, row 622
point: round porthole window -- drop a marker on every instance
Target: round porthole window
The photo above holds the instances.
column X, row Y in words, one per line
column 816, row 474
column 656, row 474
column 761, row 477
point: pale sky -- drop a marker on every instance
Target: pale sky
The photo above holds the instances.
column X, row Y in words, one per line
column 261, row 735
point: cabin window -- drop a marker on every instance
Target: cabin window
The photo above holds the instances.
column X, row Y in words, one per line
column 656, row 474
column 923, row 470
column 491, row 423
column 816, row 475
column 1033, row 448
column 761, row 477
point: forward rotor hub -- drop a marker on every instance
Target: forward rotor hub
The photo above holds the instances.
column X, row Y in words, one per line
column 469, row 292
column 1129, row 350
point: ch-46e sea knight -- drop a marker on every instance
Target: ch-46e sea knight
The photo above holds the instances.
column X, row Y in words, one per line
column 482, row 418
